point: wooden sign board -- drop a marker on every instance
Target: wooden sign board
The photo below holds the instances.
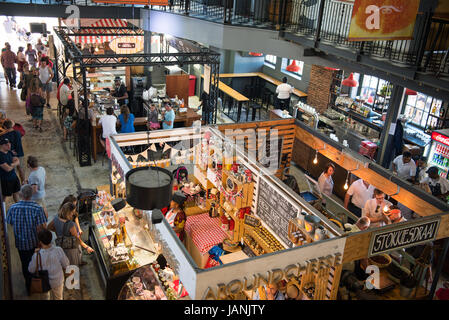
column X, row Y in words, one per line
column 403, row 236
column 251, row 221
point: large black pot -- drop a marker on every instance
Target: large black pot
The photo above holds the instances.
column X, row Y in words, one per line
column 149, row 188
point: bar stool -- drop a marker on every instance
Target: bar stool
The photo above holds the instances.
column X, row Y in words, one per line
column 267, row 97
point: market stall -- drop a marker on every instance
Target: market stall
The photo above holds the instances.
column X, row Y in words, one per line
column 266, row 233
column 242, row 218
column 171, row 51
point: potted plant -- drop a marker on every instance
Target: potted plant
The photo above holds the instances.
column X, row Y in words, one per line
column 407, row 284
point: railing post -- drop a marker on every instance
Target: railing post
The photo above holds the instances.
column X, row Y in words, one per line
column 283, row 14
column 187, row 7
column 320, row 21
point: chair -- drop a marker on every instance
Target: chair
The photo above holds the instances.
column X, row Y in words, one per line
column 267, row 97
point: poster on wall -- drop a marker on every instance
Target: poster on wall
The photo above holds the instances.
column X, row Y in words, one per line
column 442, row 11
column 383, row 20
column 206, row 78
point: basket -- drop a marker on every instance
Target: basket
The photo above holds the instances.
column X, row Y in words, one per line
column 380, row 264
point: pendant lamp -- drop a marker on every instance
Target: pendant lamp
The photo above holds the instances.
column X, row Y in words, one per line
column 255, row 54
column 330, row 68
column 350, row 82
column 410, row 92
column 370, row 99
column 293, row 67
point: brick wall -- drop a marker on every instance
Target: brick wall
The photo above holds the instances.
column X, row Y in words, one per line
column 319, row 88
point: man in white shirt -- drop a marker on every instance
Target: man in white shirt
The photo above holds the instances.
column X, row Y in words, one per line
column 108, row 123
column 64, row 92
column 405, row 166
column 438, row 185
column 360, row 192
column 374, row 209
column 283, row 91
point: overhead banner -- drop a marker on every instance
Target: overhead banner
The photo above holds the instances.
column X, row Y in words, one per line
column 142, row 2
column 383, row 20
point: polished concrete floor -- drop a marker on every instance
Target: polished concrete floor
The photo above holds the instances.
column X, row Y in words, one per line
column 64, row 177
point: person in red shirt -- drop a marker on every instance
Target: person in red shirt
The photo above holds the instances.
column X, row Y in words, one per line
column 443, row 293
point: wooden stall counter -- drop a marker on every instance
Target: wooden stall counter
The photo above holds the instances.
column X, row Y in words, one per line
column 278, row 114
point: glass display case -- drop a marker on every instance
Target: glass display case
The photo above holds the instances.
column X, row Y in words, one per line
column 122, row 244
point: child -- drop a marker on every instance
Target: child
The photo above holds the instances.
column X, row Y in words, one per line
column 69, row 110
column 54, row 261
column 153, row 118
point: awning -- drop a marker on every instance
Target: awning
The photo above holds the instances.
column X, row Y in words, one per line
column 107, row 23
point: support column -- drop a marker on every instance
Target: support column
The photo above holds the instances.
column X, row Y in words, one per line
column 441, row 261
column 147, row 50
column 384, row 155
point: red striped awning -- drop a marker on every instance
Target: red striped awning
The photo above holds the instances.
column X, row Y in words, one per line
column 107, row 23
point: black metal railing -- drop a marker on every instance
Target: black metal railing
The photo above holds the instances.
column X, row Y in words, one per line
column 323, row 21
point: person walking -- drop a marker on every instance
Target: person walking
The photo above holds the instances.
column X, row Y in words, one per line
column 31, row 54
column 16, row 145
column 27, row 219
column 126, row 120
column 45, row 76
column 21, row 60
column 37, row 179
column 36, row 104
column 71, row 198
column 283, row 91
column 8, row 162
column 64, row 226
column 4, row 70
column 8, row 60
column 52, row 259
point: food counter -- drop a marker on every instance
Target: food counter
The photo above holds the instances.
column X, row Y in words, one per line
column 121, row 242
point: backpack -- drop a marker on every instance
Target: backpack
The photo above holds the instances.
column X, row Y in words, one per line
column 36, row 100
column 180, row 174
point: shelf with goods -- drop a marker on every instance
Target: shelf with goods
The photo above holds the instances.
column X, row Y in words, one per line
column 335, row 88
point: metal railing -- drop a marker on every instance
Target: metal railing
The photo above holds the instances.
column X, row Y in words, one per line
column 324, row 21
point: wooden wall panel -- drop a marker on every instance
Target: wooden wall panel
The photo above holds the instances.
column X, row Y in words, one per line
column 178, row 84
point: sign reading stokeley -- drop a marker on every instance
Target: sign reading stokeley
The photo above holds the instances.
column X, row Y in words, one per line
column 403, row 236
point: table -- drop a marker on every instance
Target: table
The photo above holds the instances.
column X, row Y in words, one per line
column 233, row 257
column 263, row 76
column 202, row 233
column 278, row 114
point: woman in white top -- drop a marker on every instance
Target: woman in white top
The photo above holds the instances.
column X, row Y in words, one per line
column 52, row 259
column 325, row 181
column 45, row 76
column 108, row 123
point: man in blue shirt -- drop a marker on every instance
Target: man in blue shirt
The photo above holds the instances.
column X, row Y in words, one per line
column 169, row 117
column 16, row 145
column 26, row 218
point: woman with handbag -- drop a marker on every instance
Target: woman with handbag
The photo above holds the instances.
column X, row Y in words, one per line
column 47, row 266
column 67, row 236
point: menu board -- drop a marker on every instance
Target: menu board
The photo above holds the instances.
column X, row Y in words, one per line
column 275, row 210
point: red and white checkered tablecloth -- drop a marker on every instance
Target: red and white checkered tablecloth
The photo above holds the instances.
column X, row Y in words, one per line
column 204, row 231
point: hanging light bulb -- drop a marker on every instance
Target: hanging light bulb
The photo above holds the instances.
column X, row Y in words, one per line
column 346, row 186
column 315, row 161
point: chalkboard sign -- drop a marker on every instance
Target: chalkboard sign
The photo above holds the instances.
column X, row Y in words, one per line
column 403, row 236
column 251, row 221
column 275, row 210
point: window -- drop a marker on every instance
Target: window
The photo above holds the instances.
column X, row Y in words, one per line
column 369, row 89
column 423, row 110
column 270, row 59
column 300, row 64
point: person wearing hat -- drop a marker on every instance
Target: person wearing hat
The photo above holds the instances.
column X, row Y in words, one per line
column 394, row 215
column 439, row 187
column 175, row 215
column 120, row 92
column 8, row 162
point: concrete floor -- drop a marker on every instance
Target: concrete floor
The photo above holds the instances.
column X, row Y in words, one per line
column 64, row 177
